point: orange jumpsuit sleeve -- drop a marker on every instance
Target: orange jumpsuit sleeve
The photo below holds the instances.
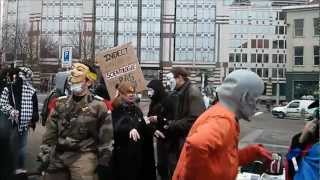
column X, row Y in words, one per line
column 207, row 137
column 248, row 155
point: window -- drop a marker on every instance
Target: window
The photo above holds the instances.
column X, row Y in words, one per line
column 316, row 55
column 281, row 73
column 266, row 44
column 253, row 43
column 274, row 72
column 298, row 55
column 282, row 15
column 244, row 58
column 275, row 44
column 259, row 58
column 238, row 57
column 260, row 43
column 274, row 58
column 281, row 58
column 266, row 58
column 245, row 45
column 259, row 72
column 231, row 57
column 298, row 27
column 253, row 58
column 265, row 72
column 294, row 105
column 316, row 26
column 281, row 44
column 281, row 29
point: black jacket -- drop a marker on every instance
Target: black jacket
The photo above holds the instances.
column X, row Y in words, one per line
column 132, row 160
column 161, row 105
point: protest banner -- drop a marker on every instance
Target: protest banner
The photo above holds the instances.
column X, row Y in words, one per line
column 120, row 64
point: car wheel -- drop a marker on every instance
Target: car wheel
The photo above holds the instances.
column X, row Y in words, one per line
column 281, row 115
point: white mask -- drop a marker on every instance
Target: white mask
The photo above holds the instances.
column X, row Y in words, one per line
column 76, row 88
column 171, row 81
column 150, row 92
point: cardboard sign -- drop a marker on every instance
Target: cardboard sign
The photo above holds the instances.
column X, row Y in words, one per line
column 120, row 64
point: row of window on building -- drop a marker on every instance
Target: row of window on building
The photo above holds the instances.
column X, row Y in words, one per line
column 299, row 26
column 257, row 58
column 299, row 55
column 265, row 72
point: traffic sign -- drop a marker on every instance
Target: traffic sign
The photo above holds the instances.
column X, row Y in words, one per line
column 66, row 57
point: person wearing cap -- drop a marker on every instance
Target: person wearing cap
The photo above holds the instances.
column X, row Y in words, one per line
column 133, row 139
column 211, row 147
column 187, row 105
column 79, row 133
column 20, row 99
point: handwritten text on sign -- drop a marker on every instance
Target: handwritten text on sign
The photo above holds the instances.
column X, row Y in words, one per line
column 120, row 64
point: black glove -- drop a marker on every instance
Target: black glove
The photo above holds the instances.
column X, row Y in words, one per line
column 103, row 172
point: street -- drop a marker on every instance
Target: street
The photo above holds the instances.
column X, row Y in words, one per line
column 274, row 133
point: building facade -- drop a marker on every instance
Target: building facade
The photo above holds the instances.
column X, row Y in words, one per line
column 255, row 38
column 303, row 51
column 165, row 33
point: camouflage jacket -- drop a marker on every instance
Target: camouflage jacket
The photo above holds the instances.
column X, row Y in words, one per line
column 76, row 127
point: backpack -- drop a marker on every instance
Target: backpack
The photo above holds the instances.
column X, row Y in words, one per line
column 45, row 109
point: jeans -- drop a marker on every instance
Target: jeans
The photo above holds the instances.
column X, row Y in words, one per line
column 21, row 149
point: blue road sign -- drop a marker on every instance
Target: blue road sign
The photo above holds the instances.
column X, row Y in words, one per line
column 66, row 56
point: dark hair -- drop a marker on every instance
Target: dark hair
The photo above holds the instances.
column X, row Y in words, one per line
column 91, row 68
column 180, row 71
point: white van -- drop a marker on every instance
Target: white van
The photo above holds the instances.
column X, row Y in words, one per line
column 295, row 108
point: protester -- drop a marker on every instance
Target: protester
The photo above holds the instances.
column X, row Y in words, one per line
column 160, row 111
column 7, row 150
column 21, row 98
column 79, row 132
column 304, row 154
column 133, row 147
column 187, row 105
column 211, row 148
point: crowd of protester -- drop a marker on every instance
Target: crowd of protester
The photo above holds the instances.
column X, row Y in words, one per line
column 90, row 135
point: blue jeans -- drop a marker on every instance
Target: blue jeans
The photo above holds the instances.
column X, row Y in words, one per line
column 22, row 149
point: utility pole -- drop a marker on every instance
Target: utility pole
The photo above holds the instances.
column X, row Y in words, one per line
column 60, row 34
column 15, row 37
column 93, row 38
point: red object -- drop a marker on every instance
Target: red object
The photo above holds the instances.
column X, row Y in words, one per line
column 52, row 104
column 108, row 104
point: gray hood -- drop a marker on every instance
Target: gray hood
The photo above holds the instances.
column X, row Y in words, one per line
column 239, row 92
column 60, row 81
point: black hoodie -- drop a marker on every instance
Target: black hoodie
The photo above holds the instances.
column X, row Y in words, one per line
column 160, row 105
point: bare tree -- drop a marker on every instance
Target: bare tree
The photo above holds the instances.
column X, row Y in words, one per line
column 48, row 47
column 82, row 47
column 26, row 44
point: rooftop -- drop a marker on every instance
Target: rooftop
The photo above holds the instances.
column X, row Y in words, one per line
column 309, row 6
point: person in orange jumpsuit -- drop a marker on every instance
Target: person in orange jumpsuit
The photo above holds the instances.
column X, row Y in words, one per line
column 211, row 148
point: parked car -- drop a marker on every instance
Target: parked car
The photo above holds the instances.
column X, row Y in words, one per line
column 295, row 108
column 313, row 111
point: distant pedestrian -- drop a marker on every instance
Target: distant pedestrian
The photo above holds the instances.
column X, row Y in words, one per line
column 211, row 148
column 133, row 148
column 21, row 99
column 188, row 105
